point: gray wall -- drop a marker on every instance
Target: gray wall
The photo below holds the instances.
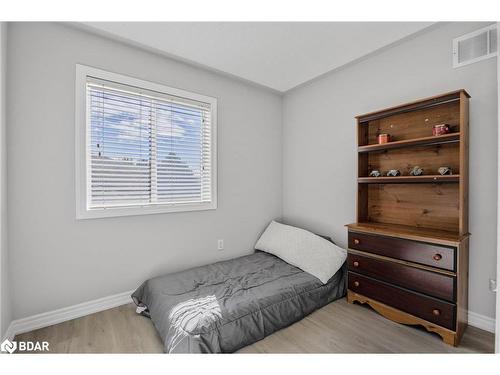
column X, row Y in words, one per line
column 57, row 261
column 319, row 155
column 5, row 306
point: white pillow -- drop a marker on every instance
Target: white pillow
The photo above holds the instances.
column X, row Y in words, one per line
column 302, row 249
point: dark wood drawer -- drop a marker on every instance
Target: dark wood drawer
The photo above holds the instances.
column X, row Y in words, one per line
column 413, row 251
column 431, row 309
column 431, row 283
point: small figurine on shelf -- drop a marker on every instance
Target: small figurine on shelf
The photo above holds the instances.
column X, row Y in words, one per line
column 384, row 138
column 375, row 173
column 393, row 173
column 444, row 171
column 416, row 171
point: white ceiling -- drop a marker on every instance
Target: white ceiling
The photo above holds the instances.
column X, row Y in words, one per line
column 279, row 55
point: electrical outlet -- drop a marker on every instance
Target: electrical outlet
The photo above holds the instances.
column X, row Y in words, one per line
column 493, row 285
column 220, row 244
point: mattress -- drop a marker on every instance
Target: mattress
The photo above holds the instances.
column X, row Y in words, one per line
column 222, row 307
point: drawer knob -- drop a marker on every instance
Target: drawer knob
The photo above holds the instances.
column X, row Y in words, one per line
column 356, row 241
column 356, row 283
column 436, row 312
column 355, row 264
column 437, row 257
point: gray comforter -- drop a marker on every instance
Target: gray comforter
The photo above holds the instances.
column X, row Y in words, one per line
column 227, row 305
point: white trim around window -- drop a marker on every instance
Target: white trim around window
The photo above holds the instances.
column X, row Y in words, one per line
column 98, row 200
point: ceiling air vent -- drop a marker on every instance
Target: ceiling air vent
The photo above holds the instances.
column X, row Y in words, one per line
column 475, row 46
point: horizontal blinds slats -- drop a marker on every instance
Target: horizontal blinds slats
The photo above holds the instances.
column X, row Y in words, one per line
column 97, row 161
column 146, row 149
column 164, row 99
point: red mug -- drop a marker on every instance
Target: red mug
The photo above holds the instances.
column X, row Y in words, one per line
column 384, row 138
column 440, row 129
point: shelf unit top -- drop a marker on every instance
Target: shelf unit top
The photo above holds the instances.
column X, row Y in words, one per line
column 412, row 106
column 423, row 141
column 425, row 208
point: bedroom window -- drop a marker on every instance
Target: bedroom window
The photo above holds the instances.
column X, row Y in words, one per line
column 142, row 147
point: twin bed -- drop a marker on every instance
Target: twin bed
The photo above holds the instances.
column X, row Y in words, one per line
column 222, row 307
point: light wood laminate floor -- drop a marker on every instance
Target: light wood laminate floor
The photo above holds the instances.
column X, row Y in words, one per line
column 336, row 328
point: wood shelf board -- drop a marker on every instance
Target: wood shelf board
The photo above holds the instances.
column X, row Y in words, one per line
column 430, row 205
column 423, row 141
column 409, row 232
column 412, row 106
column 409, row 179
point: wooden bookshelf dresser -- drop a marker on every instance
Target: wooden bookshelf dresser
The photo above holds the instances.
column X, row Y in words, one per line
column 408, row 251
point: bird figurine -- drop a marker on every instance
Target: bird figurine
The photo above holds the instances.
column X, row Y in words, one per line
column 393, row 173
column 416, row 171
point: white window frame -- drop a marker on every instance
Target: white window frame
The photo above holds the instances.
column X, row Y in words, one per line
column 472, row 34
column 83, row 211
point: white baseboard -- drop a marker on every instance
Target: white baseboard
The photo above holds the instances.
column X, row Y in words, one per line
column 481, row 321
column 67, row 313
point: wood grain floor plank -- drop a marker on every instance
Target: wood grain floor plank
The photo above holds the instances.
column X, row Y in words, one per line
column 336, row 328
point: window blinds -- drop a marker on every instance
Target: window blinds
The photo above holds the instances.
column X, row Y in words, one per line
column 146, row 148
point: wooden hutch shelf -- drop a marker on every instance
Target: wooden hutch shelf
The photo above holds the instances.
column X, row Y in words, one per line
column 408, row 253
column 422, row 141
column 408, row 179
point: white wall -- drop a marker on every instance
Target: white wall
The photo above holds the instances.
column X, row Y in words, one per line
column 319, row 153
column 5, row 305
column 497, row 326
column 57, row 261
